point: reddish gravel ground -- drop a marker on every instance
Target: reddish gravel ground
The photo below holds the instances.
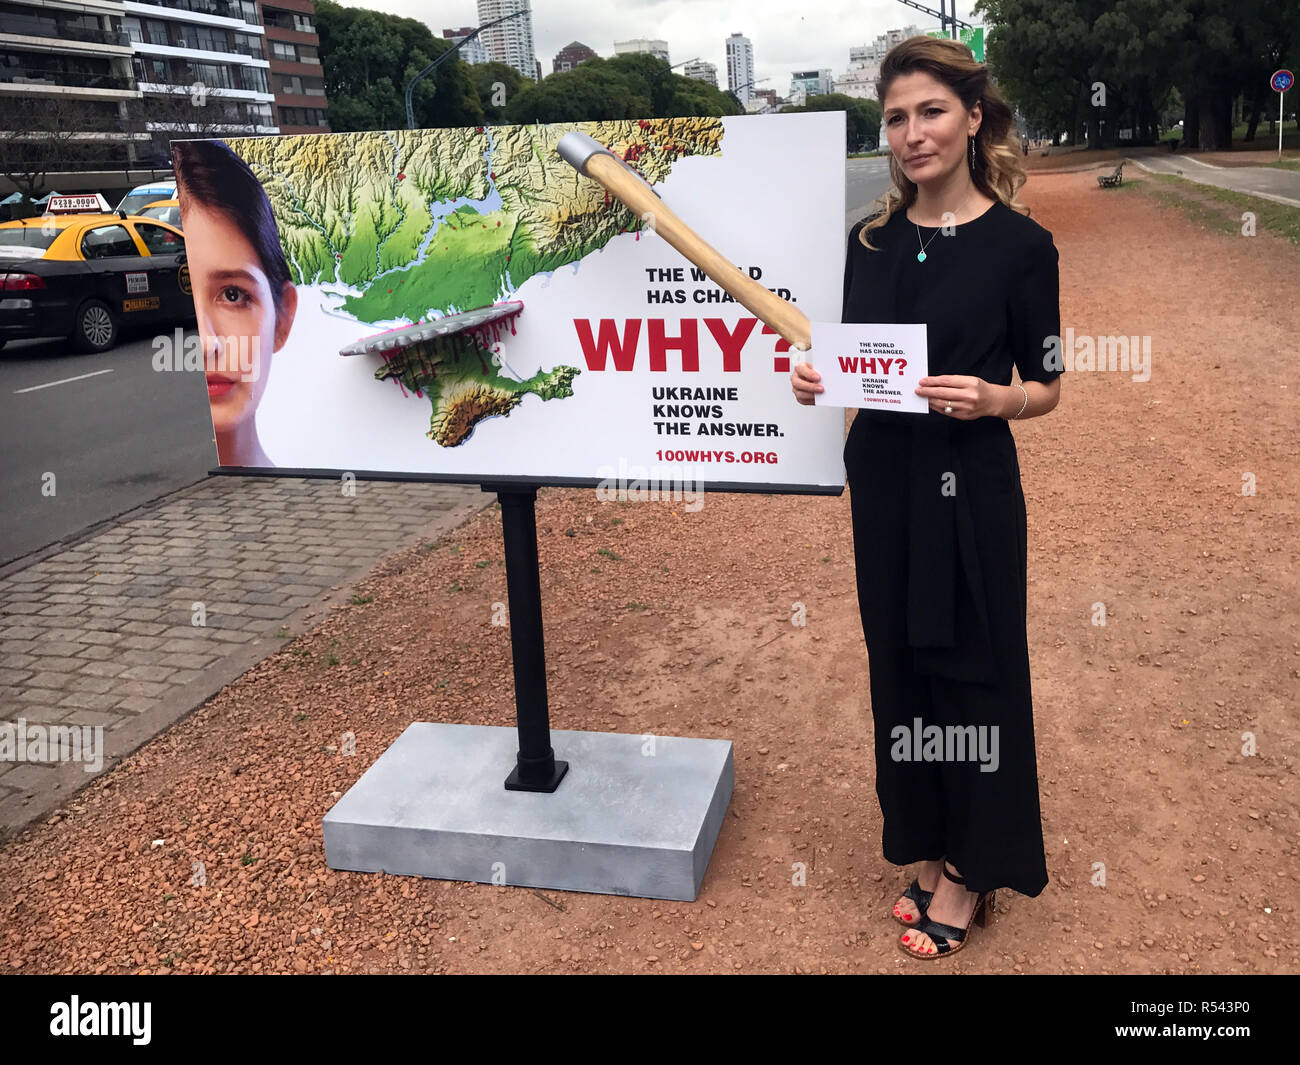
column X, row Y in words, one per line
column 669, row 622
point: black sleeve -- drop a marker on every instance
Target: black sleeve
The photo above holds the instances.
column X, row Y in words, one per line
column 1036, row 312
column 848, row 270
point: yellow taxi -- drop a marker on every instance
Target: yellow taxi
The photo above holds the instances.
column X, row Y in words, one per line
column 168, row 211
column 82, row 272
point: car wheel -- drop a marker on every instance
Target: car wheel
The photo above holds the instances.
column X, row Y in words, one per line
column 96, row 328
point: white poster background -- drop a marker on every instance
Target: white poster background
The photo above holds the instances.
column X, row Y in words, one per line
column 773, row 199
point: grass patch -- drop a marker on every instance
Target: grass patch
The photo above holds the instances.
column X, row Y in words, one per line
column 361, row 600
column 613, row 556
column 482, row 562
column 636, row 606
column 1218, row 209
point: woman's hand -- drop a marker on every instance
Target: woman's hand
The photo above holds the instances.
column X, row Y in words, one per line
column 803, row 379
column 969, row 397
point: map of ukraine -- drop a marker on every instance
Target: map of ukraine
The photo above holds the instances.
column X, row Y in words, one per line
column 425, row 223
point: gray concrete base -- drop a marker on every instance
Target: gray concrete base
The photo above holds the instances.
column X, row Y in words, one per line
column 627, row 819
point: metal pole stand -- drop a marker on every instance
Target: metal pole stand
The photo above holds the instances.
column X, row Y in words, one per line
column 536, row 767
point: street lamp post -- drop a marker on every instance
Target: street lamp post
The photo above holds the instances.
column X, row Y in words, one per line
column 410, row 85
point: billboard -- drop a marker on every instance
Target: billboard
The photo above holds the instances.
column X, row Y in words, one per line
column 311, row 258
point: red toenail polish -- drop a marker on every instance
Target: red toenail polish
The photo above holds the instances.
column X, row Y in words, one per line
column 906, row 939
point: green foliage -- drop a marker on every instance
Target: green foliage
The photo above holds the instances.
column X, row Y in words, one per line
column 368, row 58
column 627, row 86
column 492, row 81
column 862, row 117
column 1156, row 58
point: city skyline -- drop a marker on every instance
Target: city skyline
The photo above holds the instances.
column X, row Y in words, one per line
column 783, row 41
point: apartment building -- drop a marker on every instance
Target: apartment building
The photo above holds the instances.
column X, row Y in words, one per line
column 65, row 67
column 297, row 78
column 202, row 70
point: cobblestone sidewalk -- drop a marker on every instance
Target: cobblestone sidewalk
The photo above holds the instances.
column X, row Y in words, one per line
column 139, row 624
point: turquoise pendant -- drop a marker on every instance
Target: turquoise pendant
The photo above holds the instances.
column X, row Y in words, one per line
column 920, row 256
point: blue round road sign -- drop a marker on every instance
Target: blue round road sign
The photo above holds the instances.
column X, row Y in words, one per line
column 1282, row 80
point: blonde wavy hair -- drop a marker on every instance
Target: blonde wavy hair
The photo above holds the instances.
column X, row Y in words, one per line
column 998, row 171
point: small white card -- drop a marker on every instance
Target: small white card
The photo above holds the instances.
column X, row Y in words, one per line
column 877, row 366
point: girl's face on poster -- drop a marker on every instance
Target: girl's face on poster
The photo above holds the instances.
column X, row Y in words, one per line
column 927, row 126
column 237, row 315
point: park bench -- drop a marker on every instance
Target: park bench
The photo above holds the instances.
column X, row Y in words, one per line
column 1112, row 180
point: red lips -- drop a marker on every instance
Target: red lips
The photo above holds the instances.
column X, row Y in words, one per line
column 219, row 384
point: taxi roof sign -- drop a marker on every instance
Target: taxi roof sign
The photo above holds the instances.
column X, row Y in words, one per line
column 92, row 203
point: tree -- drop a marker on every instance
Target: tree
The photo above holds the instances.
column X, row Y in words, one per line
column 1052, row 57
column 369, row 57
column 862, row 117
column 497, row 82
column 48, row 134
column 627, row 86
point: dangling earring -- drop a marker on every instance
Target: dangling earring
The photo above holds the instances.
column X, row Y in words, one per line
column 972, row 155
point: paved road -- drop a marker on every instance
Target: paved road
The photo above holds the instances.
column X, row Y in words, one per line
column 113, row 441
column 1269, row 183
column 866, row 179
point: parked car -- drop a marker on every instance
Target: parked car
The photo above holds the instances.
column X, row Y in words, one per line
column 168, row 211
column 143, row 195
column 84, row 273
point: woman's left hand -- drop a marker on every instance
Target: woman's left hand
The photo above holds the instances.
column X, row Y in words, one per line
column 969, row 397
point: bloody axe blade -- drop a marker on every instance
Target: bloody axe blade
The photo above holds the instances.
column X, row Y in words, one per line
column 409, row 335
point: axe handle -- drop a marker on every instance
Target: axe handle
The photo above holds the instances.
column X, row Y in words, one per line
column 627, row 187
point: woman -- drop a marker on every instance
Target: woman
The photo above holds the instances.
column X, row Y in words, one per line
column 243, row 298
column 939, row 523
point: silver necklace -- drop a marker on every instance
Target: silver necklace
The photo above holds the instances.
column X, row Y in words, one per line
column 920, row 255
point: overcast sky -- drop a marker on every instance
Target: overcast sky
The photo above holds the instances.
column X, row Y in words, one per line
column 784, row 40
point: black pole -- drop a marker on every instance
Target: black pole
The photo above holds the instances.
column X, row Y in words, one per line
column 536, row 768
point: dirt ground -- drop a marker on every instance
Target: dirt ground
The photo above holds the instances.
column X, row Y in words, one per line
column 663, row 621
column 1059, row 160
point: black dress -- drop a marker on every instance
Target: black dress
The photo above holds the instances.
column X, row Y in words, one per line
column 939, row 533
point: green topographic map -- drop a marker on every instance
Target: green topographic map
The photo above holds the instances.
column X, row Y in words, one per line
column 424, row 223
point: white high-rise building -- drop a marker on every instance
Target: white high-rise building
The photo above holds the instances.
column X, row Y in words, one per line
column 701, row 71
column 740, row 67
column 643, row 45
column 511, row 42
column 474, row 52
column 805, row 83
column 862, row 54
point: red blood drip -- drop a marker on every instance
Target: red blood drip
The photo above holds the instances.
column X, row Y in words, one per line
column 397, row 378
column 401, row 176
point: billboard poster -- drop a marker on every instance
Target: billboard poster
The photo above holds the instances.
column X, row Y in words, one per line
column 310, row 259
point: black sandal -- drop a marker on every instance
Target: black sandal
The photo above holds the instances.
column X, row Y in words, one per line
column 944, row 936
column 922, row 899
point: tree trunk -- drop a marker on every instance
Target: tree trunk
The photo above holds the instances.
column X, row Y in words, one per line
column 1216, row 121
column 1252, row 123
column 1191, row 120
